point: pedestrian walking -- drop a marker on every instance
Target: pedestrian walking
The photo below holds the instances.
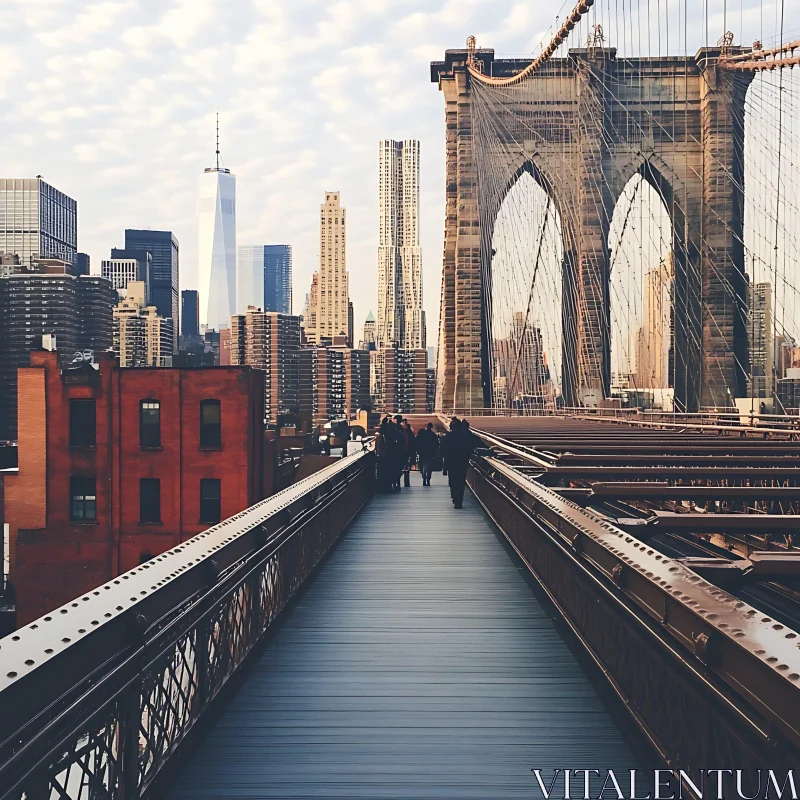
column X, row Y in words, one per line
column 460, row 450
column 446, row 449
column 409, row 453
column 382, row 457
column 427, row 447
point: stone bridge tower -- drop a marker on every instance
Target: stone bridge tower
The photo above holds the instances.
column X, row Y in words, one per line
column 677, row 122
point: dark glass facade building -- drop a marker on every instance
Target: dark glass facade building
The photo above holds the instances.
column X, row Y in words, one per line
column 278, row 278
column 164, row 251
column 190, row 312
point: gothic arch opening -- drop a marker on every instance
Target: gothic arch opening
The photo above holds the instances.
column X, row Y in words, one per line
column 641, row 292
column 526, row 288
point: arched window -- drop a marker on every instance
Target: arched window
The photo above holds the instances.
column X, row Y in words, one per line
column 210, row 424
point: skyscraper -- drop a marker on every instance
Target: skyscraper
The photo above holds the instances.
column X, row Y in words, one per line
column 309, row 323
column 400, row 317
column 126, row 266
column 368, row 341
column 278, row 278
column 217, row 244
column 249, row 277
column 271, row 342
column 653, row 340
column 333, row 296
column 165, row 269
column 264, row 278
column 37, row 220
column 190, row 313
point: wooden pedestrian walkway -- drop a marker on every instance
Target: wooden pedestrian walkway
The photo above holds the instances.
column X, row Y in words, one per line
column 418, row 664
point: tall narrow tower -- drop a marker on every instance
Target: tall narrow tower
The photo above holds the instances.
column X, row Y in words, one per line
column 333, row 297
column 217, row 244
column 400, row 317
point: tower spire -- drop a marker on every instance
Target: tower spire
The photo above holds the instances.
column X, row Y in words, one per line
column 218, row 139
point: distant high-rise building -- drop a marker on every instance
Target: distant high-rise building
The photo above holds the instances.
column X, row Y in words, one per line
column 521, row 377
column 762, row 343
column 368, row 342
column 400, row 317
column 271, row 342
column 264, row 278
column 402, row 376
column 351, row 324
column 76, row 311
column 142, row 338
column 332, row 294
column 309, row 324
column 430, row 390
column 249, row 277
column 653, row 341
column 37, row 220
column 190, row 312
column 278, row 278
column 217, row 245
column 83, row 264
column 164, row 271
column 334, row 382
column 126, row 266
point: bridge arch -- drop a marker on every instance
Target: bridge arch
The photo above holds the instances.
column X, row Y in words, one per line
column 526, row 258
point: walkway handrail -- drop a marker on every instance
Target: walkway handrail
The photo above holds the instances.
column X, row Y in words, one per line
column 102, row 691
column 732, row 421
column 747, row 663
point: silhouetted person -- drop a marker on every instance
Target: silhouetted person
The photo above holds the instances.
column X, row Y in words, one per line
column 462, row 444
column 446, row 447
column 409, row 453
column 394, row 453
column 427, row 445
column 382, row 454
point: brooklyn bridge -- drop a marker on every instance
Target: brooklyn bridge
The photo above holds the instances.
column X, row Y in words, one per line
column 621, row 589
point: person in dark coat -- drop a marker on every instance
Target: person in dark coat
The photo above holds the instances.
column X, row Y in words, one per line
column 393, row 446
column 427, row 445
column 382, row 454
column 462, row 445
column 446, row 447
column 409, row 452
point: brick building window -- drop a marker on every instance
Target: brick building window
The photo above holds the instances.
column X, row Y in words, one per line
column 149, row 500
column 210, row 500
column 82, row 423
column 149, row 423
column 210, row 424
column 82, row 500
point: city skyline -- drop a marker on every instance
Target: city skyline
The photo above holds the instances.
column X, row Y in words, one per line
column 128, row 138
column 128, row 115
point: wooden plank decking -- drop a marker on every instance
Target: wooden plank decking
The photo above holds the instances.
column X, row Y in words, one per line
column 418, row 664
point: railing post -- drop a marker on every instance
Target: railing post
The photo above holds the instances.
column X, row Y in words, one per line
column 130, row 717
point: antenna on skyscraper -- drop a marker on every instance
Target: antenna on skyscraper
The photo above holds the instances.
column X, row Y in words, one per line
column 217, row 138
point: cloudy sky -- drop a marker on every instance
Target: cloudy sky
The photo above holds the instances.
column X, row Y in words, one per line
column 113, row 102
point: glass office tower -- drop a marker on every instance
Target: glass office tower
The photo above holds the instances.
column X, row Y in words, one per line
column 278, row 278
column 165, row 269
column 37, row 220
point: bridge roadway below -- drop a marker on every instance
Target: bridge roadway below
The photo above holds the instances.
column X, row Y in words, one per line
column 417, row 664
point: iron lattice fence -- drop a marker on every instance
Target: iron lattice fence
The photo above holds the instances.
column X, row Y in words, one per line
column 97, row 706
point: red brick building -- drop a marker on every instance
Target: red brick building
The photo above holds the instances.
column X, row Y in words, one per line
column 118, row 465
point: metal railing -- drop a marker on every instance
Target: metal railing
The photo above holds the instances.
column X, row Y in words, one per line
column 99, row 695
column 708, row 678
column 710, row 420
